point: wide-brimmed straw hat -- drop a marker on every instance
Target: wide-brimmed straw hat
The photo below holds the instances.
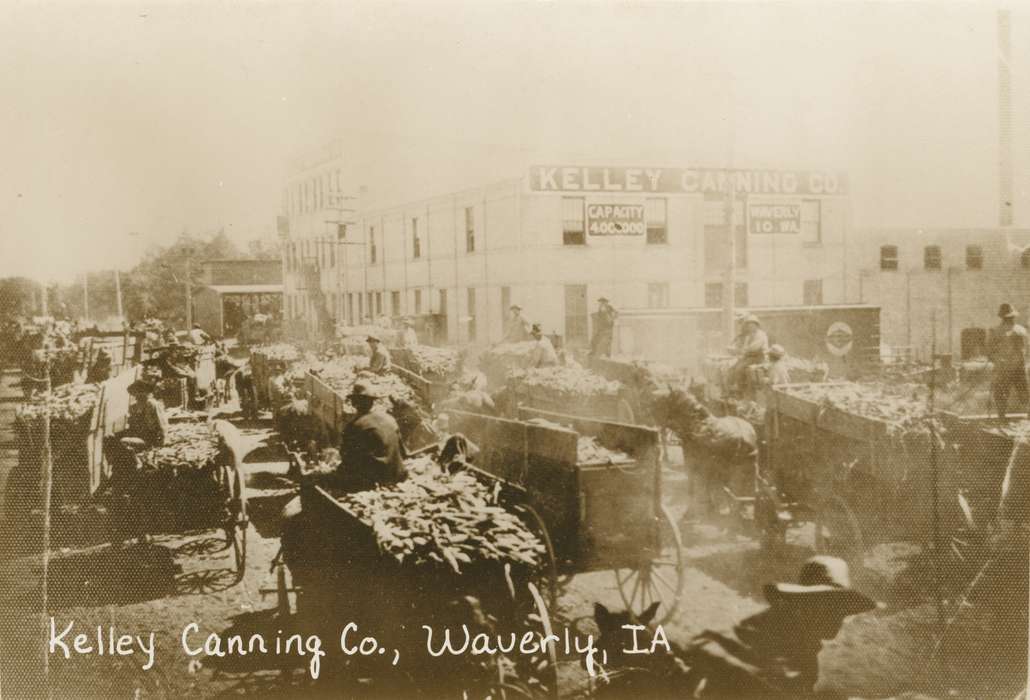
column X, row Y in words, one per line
column 1006, row 311
column 363, row 390
column 373, row 338
column 777, row 351
column 824, row 580
column 140, row 387
column 751, row 318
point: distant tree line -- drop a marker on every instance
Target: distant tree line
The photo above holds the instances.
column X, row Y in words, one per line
column 154, row 288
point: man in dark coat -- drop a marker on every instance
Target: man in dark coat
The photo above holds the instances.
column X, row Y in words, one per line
column 604, row 327
column 370, row 447
column 1006, row 349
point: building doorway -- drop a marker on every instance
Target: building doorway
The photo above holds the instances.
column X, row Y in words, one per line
column 576, row 331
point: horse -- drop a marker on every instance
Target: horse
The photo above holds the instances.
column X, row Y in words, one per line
column 721, row 452
column 661, row 674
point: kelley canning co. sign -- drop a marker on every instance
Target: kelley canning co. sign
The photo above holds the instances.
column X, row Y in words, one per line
column 570, row 178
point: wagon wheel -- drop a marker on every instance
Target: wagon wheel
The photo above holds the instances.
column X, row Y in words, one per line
column 837, row 531
column 236, row 521
column 547, row 669
column 549, row 568
column 659, row 579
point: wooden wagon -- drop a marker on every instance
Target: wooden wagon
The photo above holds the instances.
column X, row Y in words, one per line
column 592, row 517
column 858, row 479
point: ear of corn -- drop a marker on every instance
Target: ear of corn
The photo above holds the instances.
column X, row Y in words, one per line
column 447, row 520
column 188, row 446
column 69, row 402
column 561, row 383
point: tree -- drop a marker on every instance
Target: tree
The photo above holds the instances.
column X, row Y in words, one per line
column 19, row 296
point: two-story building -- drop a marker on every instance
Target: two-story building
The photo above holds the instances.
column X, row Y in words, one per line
column 560, row 237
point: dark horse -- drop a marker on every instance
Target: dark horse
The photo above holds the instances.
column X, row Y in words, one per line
column 719, row 452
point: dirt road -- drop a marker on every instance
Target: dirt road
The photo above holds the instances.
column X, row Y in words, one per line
column 180, row 579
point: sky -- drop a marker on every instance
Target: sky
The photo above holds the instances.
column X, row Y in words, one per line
column 123, row 118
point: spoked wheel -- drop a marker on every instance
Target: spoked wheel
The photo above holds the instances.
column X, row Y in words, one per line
column 837, row 531
column 546, row 670
column 236, row 522
column 659, row 579
column 548, row 578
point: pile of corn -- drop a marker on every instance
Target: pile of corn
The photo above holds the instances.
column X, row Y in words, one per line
column 435, row 362
column 277, row 352
column 590, row 451
column 447, row 520
column 188, row 446
column 341, row 377
column 876, row 401
column 69, row 402
column 564, row 383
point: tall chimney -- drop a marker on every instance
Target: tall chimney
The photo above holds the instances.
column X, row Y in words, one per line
column 1005, row 177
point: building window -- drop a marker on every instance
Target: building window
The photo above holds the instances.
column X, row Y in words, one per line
column 1024, row 259
column 361, row 309
column 416, row 242
column 332, row 253
column 657, row 224
column 505, row 301
column 471, row 301
column 443, row 302
column 395, row 303
column 740, row 294
column 974, row 257
column 573, row 225
column 658, row 295
column 372, row 244
column 932, row 257
column 350, row 308
column 418, row 301
column 379, row 303
column 813, row 292
column 442, row 329
column 576, row 314
column 888, row 257
column 811, row 221
column 713, row 295
column 470, row 230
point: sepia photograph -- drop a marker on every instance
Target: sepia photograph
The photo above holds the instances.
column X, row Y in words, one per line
column 514, row 350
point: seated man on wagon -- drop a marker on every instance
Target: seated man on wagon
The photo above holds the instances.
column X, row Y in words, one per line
column 371, row 453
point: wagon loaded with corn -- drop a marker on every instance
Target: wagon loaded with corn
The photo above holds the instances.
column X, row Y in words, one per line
column 193, row 481
column 863, row 462
column 415, row 553
column 571, row 390
column 592, row 490
column 428, row 370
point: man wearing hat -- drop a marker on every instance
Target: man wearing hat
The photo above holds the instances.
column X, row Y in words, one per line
column 604, row 328
column 775, row 653
column 516, row 329
column 1006, row 349
column 778, row 372
column 370, row 446
column 543, row 354
column 409, row 338
column 146, row 419
column 379, row 362
column 750, row 348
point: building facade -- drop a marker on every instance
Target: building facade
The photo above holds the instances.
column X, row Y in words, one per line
column 939, row 289
column 558, row 238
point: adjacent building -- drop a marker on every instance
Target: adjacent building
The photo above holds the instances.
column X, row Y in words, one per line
column 237, row 290
column 939, row 289
column 557, row 239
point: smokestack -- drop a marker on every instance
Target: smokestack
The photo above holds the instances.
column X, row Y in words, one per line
column 1005, row 177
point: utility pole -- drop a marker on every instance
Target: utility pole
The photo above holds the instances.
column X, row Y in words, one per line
column 730, row 277
column 44, row 299
column 85, row 296
column 189, row 291
column 118, row 291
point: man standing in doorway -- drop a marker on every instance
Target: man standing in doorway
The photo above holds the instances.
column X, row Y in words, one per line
column 604, row 327
column 516, row 330
column 1006, row 348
